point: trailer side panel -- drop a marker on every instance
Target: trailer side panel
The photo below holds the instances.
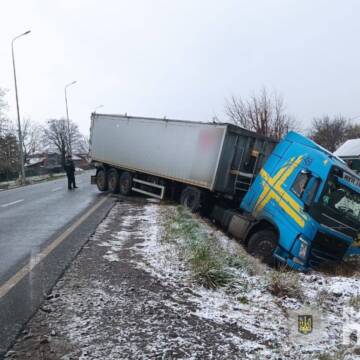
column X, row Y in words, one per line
column 182, row 151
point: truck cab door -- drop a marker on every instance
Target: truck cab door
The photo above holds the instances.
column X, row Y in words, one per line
column 310, row 191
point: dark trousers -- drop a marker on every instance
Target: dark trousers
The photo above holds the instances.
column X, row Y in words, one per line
column 71, row 180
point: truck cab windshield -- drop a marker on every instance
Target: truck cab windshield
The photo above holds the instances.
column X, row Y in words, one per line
column 342, row 200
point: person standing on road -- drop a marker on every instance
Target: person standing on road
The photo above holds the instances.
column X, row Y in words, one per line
column 70, row 172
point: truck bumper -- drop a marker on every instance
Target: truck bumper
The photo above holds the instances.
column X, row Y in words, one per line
column 296, row 264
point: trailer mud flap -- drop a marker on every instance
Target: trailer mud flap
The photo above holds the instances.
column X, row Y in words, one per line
column 93, row 180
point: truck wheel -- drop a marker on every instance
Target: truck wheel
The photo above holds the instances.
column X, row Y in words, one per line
column 262, row 245
column 125, row 183
column 113, row 181
column 191, row 198
column 101, row 180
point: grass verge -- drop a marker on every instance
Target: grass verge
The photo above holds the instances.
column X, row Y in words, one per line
column 285, row 283
column 13, row 184
column 210, row 264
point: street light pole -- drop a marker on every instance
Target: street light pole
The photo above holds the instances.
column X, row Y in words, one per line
column 67, row 116
column 98, row 107
column 22, row 173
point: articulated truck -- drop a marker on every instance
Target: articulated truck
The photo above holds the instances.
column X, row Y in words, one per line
column 290, row 201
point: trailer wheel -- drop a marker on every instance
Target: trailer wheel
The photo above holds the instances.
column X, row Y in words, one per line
column 262, row 245
column 125, row 183
column 113, row 181
column 101, row 180
column 191, row 198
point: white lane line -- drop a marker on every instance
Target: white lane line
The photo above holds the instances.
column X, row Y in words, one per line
column 56, row 189
column 8, row 285
column 12, row 203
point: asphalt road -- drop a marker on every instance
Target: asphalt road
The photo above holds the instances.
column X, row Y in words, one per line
column 42, row 229
column 30, row 216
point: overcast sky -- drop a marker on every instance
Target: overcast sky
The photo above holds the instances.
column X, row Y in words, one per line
column 180, row 58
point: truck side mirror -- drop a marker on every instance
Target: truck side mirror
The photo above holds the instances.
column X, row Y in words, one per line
column 307, row 199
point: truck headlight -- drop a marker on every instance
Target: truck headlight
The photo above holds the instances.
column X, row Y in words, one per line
column 303, row 248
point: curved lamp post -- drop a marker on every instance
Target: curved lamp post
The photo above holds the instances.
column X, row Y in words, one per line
column 67, row 115
column 98, row 107
column 22, row 173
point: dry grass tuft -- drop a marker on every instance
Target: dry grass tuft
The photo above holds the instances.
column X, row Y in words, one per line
column 285, row 283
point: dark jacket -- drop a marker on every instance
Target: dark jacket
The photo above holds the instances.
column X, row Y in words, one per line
column 69, row 167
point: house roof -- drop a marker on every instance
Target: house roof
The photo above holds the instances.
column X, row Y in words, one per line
column 350, row 148
column 34, row 161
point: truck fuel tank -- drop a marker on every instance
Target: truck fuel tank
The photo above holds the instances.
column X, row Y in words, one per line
column 232, row 221
column 238, row 226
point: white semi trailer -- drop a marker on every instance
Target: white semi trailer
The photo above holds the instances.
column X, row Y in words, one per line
column 193, row 162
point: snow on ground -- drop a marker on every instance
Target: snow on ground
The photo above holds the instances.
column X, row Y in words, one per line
column 272, row 319
column 131, row 294
column 269, row 317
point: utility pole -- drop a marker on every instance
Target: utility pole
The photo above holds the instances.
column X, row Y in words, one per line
column 21, row 152
column 67, row 116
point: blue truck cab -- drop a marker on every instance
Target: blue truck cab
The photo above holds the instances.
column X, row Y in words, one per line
column 304, row 205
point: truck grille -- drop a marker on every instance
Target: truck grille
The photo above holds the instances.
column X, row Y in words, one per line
column 326, row 249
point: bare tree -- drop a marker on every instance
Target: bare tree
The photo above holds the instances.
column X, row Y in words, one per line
column 9, row 146
column 332, row 132
column 57, row 137
column 31, row 133
column 9, row 157
column 353, row 131
column 4, row 120
column 265, row 114
column 83, row 146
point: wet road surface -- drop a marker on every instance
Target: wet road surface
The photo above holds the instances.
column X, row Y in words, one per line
column 42, row 229
column 31, row 215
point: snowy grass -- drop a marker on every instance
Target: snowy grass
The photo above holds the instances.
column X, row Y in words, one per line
column 186, row 252
column 211, row 265
column 285, row 283
column 355, row 301
column 339, row 355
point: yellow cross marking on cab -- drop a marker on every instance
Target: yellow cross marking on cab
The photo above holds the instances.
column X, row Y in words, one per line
column 272, row 190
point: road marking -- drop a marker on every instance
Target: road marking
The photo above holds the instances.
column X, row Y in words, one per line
column 35, row 260
column 12, row 203
column 56, row 189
